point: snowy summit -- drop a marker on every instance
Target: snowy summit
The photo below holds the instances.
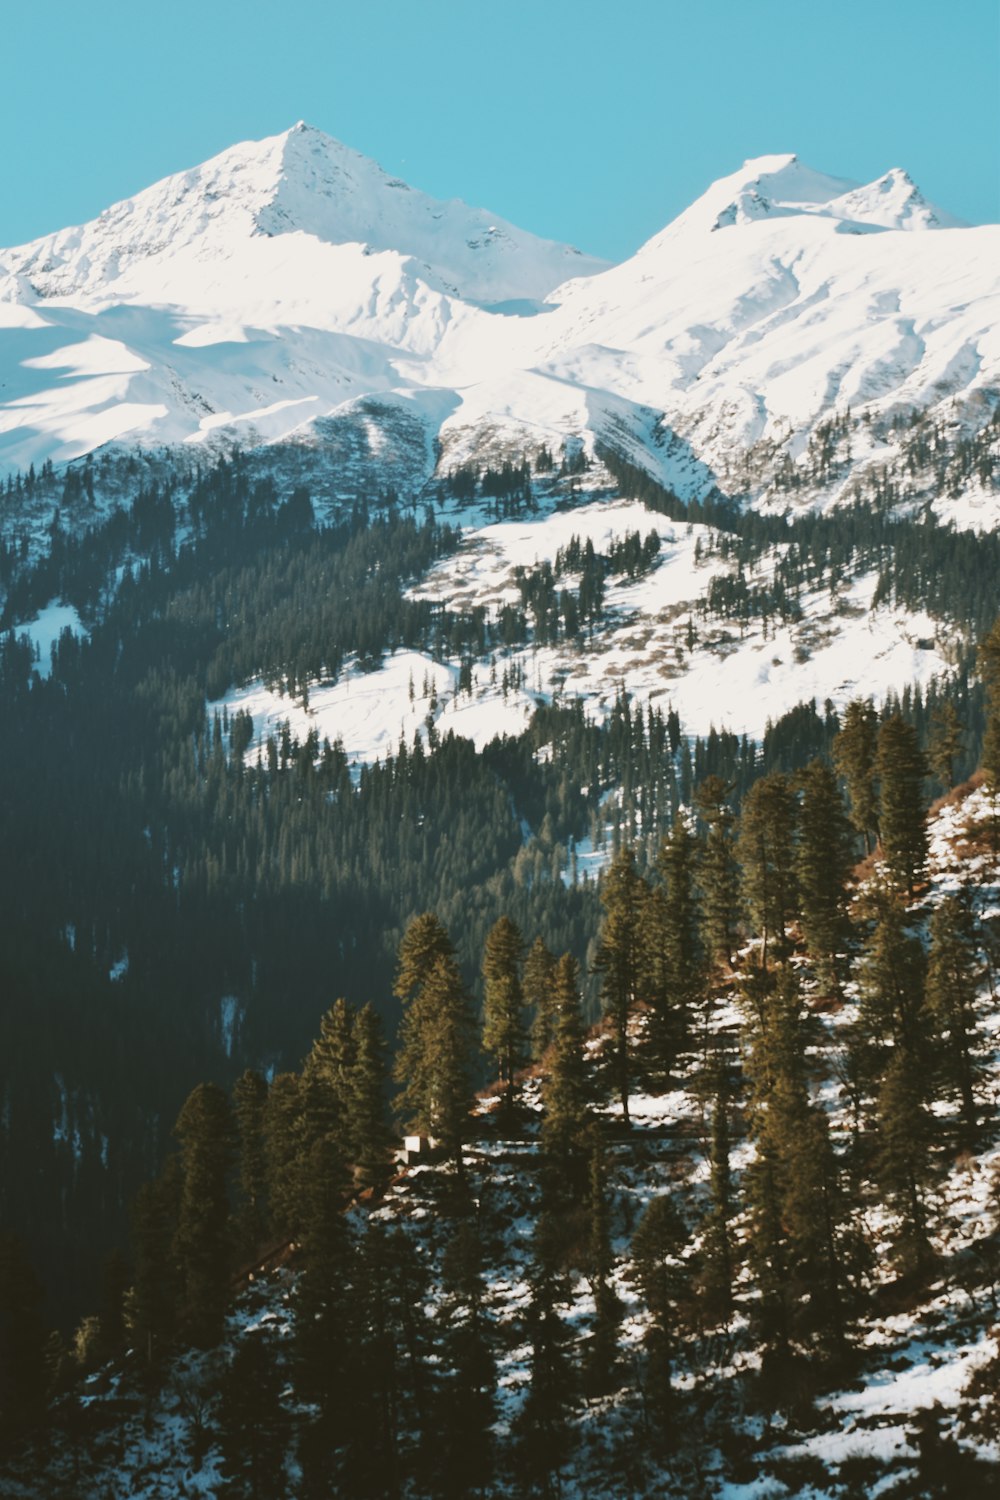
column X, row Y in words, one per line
column 286, row 280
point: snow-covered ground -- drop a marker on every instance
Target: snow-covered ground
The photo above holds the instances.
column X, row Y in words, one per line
column 654, row 643
column 370, row 713
column 45, row 629
column 273, row 287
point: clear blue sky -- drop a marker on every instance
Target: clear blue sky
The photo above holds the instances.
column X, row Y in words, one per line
column 593, row 121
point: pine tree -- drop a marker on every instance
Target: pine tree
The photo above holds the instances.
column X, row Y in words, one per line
column 822, row 865
column 544, row 1429
column 324, row 1082
column 989, row 671
column 951, row 993
column 765, row 850
column 393, row 1417
column 323, row 1302
column 538, row 988
column 902, row 808
column 802, row 1251
column 366, row 1131
column 503, row 1005
column 253, row 1426
column 903, row 1163
column 154, row 1300
column 671, row 944
column 202, row 1246
column 892, row 978
column 945, row 743
column 564, row 1086
column 602, row 1350
column 854, row 757
column 284, row 1152
column 249, row 1113
column 720, row 1253
column 468, row 1406
column 717, row 871
column 424, row 942
column 618, row 958
column 435, row 1058
column 663, row 1273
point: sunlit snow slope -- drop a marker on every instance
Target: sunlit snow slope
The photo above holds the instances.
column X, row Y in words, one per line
column 285, row 281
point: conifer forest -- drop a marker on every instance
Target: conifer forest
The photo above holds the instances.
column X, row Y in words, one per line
column 603, row 1110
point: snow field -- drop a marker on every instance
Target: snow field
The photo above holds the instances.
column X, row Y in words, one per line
column 251, row 297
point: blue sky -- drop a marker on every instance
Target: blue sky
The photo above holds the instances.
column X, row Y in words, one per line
column 594, row 121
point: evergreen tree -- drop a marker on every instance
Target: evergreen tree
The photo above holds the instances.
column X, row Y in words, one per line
column 945, row 743
column 393, row 1418
column 854, row 757
column 284, row 1152
column 503, row 1005
column 544, row 1430
column 324, row 1082
column 802, row 1250
column 202, row 1243
column 602, row 1350
column 765, row 850
column 671, row 942
column 538, row 988
column 435, row 1058
column 903, row 1163
column 822, row 865
column 720, row 1252
column 424, row 942
column 253, row 1426
column 324, row 1292
column 989, row 670
column 902, row 809
column 467, row 1399
column 663, row 1273
column 564, row 1085
column 154, row 1300
column 717, row 872
column 249, row 1113
column 951, row 994
column 618, row 957
column 366, row 1132
column 892, row 978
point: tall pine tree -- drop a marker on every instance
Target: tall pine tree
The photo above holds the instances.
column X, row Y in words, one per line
column 623, row 896
column 901, row 770
column 202, row 1244
column 854, row 757
column 822, row 863
column 503, row 1005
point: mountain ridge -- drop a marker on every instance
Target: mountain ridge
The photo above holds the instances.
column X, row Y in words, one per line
column 282, row 282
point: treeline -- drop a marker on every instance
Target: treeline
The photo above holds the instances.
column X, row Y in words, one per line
column 920, row 564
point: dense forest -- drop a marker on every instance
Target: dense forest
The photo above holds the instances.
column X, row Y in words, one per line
column 177, row 909
column 722, row 966
column 168, row 898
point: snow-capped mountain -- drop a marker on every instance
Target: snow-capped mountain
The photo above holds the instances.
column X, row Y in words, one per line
column 299, row 183
column 285, row 283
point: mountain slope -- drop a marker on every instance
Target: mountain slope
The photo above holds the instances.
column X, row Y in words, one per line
column 274, row 287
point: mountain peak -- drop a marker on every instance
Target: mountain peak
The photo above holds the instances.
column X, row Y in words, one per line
column 301, row 182
column 892, row 201
column 780, row 186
